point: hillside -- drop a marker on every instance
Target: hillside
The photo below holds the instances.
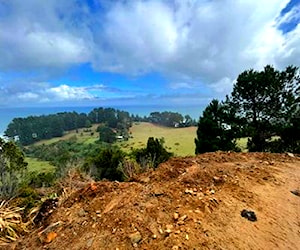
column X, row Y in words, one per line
column 179, row 141
column 187, row 203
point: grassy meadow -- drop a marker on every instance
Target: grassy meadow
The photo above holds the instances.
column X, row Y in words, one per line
column 83, row 135
column 35, row 165
column 180, row 141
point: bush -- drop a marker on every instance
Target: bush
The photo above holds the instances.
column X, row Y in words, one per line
column 153, row 154
column 129, row 168
column 38, row 180
column 28, row 198
column 12, row 168
column 105, row 165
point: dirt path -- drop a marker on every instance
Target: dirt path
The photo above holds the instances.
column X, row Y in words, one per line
column 279, row 217
column 268, row 194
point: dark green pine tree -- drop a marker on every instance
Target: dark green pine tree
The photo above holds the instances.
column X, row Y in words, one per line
column 268, row 101
column 214, row 130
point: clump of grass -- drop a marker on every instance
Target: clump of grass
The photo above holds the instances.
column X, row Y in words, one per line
column 11, row 223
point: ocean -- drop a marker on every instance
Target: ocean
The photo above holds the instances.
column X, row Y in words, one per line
column 8, row 114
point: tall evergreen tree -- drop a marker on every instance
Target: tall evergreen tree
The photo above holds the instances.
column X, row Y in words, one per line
column 266, row 100
column 214, row 130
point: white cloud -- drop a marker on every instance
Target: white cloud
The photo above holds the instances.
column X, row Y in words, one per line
column 180, row 85
column 65, row 93
column 44, row 93
column 223, row 86
column 190, row 42
column 37, row 35
column 28, row 96
column 199, row 40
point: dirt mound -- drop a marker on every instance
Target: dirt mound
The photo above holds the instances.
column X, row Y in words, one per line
column 187, row 203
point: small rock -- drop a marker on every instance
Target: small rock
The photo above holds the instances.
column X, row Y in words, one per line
column 250, row 215
column 158, row 192
column 187, row 237
column 175, row 216
column 169, row 229
column 135, row 237
column 296, row 192
column 48, row 234
column 145, row 180
column 175, row 248
column 290, row 155
column 154, row 236
column 212, row 191
column 89, row 243
column 182, row 218
column 181, row 222
column 216, row 179
column 189, row 191
column 206, row 209
column 50, row 237
column 81, row 212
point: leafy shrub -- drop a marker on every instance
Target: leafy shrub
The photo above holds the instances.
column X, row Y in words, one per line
column 37, row 180
column 12, row 168
column 105, row 165
column 154, row 153
column 28, row 198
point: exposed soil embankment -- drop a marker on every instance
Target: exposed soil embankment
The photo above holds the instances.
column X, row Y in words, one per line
column 187, row 203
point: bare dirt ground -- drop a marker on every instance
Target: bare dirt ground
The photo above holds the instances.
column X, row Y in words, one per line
column 187, row 203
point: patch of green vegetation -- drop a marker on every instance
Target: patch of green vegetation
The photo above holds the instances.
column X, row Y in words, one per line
column 83, row 135
column 242, row 143
column 184, row 137
column 35, row 165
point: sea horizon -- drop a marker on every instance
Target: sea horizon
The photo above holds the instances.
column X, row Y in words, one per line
column 9, row 113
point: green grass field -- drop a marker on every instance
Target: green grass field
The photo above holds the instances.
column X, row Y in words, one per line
column 35, row 165
column 82, row 136
column 180, row 141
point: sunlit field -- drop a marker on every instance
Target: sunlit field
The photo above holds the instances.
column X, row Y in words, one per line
column 180, row 141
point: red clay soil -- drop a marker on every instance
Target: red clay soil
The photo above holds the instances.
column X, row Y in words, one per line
column 187, row 203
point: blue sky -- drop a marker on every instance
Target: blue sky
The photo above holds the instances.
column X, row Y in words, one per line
column 147, row 52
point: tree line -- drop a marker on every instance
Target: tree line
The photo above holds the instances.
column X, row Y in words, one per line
column 35, row 128
column 113, row 122
column 263, row 106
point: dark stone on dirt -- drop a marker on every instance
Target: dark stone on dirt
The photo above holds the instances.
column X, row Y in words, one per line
column 47, row 208
column 249, row 215
column 296, row 192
